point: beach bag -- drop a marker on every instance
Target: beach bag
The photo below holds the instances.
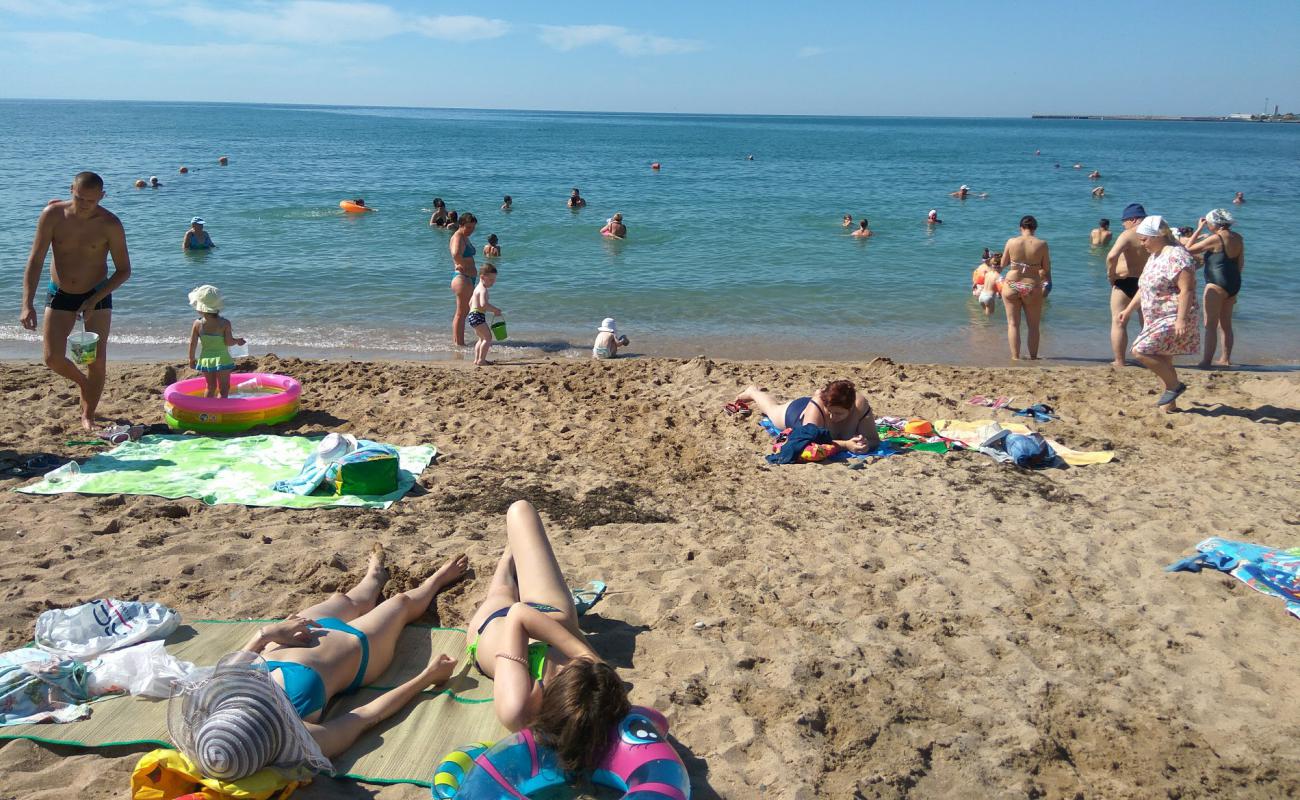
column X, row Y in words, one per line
column 144, row 670
column 366, row 471
column 168, row 775
column 85, row 631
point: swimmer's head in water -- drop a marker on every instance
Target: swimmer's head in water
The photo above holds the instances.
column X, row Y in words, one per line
column 863, row 223
column 1104, row 224
column 839, row 397
column 507, row 200
column 580, row 706
column 492, row 238
column 438, row 203
column 618, row 217
column 574, row 193
column 1028, row 223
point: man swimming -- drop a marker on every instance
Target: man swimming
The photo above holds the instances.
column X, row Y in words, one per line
column 576, row 200
column 83, row 235
column 1101, row 234
column 1124, row 265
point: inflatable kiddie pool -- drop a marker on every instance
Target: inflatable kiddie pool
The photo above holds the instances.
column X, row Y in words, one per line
column 273, row 399
column 640, row 763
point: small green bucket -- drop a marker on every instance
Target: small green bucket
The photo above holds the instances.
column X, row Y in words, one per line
column 499, row 330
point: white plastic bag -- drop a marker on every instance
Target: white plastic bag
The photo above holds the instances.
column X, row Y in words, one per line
column 145, row 669
column 87, row 630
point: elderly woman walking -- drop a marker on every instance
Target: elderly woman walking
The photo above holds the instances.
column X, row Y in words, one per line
column 1225, row 254
column 1167, row 294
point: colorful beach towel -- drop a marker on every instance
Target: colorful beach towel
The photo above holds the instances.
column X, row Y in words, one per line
column 974, row 433
column 238, row 471
column 885, row 448
column 403, row 749
column 1268, row 570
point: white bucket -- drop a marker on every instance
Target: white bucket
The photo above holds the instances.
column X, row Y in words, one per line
column 83, row 348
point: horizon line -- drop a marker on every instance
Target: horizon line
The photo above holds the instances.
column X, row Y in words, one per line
column 1030, row 116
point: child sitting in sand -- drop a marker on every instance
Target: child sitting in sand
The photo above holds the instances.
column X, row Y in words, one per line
column 212, row 334
column 478, row 303
column 608, row 340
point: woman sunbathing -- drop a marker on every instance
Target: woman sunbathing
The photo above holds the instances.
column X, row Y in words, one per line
column 525, row 636
column 837, row 407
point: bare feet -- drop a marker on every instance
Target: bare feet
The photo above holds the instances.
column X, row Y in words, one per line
column 452, row 571
column 376, row 566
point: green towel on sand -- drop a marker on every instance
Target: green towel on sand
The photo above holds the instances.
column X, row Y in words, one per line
column 217, row 471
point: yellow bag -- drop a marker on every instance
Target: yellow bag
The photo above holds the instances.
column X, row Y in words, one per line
column 168, row 774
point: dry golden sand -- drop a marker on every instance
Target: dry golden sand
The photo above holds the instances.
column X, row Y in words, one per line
column 930, row 626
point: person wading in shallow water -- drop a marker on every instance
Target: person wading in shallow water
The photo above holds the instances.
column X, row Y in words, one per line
column 83, row 235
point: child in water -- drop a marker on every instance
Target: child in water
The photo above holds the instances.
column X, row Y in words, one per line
column 608, row 340
column 478, row 303
column 492, row 249
column 212, row 334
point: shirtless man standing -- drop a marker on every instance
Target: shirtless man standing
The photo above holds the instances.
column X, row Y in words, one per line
column 1124, row 265
column 83, row 235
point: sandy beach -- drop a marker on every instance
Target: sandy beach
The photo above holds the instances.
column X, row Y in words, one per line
column 928, row 626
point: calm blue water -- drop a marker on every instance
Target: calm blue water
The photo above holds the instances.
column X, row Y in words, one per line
column 725, row 256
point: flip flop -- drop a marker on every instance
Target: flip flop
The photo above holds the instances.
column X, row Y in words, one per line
column 740, row 407
column 587, row 596
column 1171, row 395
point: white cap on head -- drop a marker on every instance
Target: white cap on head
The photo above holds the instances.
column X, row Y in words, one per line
column 607, row 325
column 933, row 213
column 964, row 188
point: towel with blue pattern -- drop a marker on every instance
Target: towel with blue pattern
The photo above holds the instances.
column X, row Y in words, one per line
column 1267, row 570
column 314, row 473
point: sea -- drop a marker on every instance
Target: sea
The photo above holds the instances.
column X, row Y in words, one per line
column 726, row 255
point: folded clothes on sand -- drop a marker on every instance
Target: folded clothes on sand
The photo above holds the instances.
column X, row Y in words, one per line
column 975, row 433
column 1267, row 570
column 241, row 471
column 36, row 686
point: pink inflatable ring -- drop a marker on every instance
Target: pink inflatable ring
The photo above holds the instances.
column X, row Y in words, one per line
column 274, row 400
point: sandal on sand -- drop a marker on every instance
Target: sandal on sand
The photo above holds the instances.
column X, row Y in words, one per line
column 1171, row 395
column 740, row 407
column 587, row 596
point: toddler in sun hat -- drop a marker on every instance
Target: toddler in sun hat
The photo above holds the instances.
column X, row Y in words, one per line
column 608, row 340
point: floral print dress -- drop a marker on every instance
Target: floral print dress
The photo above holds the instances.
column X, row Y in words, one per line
column 1158, row 286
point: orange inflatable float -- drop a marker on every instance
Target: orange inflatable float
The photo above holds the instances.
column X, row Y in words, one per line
column 353, row 207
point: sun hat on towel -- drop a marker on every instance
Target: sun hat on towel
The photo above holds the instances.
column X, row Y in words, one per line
column 207, row 299
column 335, row 446
column 237, row 721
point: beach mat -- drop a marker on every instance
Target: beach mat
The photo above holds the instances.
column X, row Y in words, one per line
column 217, row 471
column 969, row 433
column 406, row 748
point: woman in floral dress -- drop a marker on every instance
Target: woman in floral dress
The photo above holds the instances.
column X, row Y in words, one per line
column 1167, row 292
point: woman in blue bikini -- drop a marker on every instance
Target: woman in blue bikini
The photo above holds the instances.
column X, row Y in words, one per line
column 346, row 642
column 838, row 407
column 463, row 275
column 525, row 636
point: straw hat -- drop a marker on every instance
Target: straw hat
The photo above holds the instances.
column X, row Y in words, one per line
column 335, row 446
column 207, row 299
column 237, row 721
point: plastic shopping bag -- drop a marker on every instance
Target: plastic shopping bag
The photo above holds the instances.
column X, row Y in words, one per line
column 99, row 626
column 146, row 670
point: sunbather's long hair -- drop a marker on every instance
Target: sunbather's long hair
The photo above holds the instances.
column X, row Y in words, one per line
column 580, row 708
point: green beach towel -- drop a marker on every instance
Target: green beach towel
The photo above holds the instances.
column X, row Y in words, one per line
column 406, row 748
column 237, row 470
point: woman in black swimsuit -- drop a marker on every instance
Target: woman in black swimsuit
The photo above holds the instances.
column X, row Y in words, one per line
column 838, row 407
column 1225, row 257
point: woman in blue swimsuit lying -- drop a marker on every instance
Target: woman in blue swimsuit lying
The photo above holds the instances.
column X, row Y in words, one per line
column 525, row 636
column 838, row 407
column 346, row 642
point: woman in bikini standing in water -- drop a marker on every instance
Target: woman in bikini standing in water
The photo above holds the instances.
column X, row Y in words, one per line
column 1022, row 288
column 462, row 279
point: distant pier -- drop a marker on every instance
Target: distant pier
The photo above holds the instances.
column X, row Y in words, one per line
column 1152, row 118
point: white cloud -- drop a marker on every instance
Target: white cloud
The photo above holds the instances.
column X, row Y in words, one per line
column 323, row 22
column 48, row 8
column 811, row 51
column 99, row 46
column 631, row 43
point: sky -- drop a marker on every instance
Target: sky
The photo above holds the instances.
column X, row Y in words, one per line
column 935, row 58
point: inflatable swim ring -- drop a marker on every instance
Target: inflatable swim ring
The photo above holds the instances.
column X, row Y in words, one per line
column 353, row 208
column 641, row 764
column 275, row 400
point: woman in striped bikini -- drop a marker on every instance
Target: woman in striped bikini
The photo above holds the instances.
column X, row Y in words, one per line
column 1030, row 270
